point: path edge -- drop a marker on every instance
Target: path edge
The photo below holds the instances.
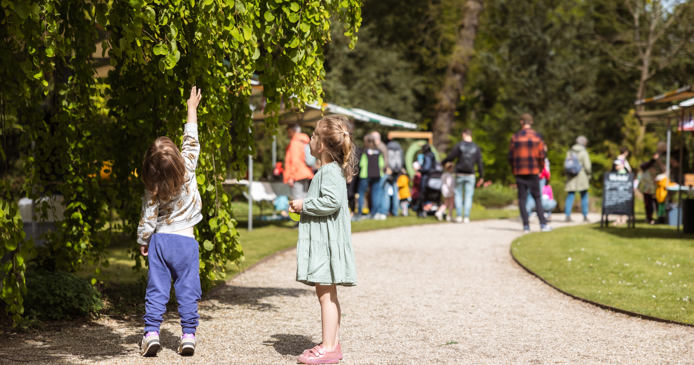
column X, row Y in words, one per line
column 600, row 305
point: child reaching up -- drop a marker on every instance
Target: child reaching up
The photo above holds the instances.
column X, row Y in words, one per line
column 170, row 209
column 325, row 257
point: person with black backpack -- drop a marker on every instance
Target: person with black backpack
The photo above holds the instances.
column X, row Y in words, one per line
column 468, row 155
column 577, row 168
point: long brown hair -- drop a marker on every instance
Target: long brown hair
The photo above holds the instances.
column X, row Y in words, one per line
column 335, row 133
column 163, row 169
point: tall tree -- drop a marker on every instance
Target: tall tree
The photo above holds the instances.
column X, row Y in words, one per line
column 644, row 41
column 456, row 72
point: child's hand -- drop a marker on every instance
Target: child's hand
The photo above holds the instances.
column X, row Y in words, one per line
column 144, row 250
column 296, row 205
column 194, row 99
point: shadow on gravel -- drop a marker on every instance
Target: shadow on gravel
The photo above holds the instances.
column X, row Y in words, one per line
column 251, row 296
column 90, row 342
column 286, row 344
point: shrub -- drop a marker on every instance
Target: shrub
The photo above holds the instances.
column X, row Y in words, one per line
column 495, row 196
column 60, row 295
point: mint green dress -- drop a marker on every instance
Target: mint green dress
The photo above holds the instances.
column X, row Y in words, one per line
column 324, row 252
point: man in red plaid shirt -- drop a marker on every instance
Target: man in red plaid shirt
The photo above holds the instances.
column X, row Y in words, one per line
column 526, row 156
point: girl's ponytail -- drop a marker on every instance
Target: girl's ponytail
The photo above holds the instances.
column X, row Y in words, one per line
column 335, row 134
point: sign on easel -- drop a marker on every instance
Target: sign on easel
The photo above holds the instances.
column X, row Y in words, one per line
column 618, row 197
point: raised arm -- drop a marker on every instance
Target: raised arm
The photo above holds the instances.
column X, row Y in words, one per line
column 190, row 148
column 148, row 220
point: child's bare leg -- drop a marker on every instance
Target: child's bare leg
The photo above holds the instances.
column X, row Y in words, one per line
column 450, row 203
column 330, row 314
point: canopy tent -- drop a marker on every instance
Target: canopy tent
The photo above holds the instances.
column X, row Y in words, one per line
column 682, row 111
column 311, row 113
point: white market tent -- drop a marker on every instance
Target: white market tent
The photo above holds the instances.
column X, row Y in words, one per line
column 310, row 115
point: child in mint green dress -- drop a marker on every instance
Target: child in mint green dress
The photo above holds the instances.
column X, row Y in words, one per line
column 325, row 257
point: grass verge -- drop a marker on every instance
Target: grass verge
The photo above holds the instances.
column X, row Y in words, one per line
column 645, row 270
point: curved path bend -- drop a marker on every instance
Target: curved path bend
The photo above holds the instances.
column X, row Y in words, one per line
column 448, row 293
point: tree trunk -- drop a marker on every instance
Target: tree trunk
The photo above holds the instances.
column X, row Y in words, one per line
column 455, row 74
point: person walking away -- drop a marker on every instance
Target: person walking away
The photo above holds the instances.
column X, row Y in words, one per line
column 403, row 182
column 171, row 207
column 448, row 193
column 394, row 164
column 578, row 169
column 382, row 211
column 325, row 257
column 371, row 166
column 526, row 156
column 468, row 154
column 296, row 173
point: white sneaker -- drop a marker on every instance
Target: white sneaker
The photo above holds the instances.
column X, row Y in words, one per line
column 466, row 220
column 149, row 345
column 459, row 219
column 439, row 215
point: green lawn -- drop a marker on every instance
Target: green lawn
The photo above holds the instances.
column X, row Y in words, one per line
column 647, row 270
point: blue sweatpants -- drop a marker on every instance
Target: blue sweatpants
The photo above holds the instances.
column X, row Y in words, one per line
column 176, row 257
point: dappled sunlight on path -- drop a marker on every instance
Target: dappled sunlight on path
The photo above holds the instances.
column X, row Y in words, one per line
column 446, row 293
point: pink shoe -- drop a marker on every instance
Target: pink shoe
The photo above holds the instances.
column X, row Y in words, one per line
column 318, row 355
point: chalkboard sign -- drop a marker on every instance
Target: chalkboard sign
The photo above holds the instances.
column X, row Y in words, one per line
column 618, row 196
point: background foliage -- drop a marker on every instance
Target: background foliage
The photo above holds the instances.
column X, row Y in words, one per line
column 560, row 60
column 61, row 121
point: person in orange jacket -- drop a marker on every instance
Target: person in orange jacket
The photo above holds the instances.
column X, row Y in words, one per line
column 297, row 174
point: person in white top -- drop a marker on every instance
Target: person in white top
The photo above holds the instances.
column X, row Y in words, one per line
column 170, row 209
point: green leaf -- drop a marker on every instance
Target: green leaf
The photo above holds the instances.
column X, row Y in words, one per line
column 160, row 49
column 10, row 245
column 208, row 245
column 304, row 27
column 294, row 7
column 256, row 55
column 293, row 17
column 200, row 178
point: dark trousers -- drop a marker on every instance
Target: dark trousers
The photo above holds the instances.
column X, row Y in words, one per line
column 176, row 257
column 649, row 202
column 531, row 184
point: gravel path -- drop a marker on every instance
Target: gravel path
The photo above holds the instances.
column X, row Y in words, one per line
column 447, row 293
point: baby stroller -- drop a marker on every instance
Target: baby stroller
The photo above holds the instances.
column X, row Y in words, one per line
column 430, row 196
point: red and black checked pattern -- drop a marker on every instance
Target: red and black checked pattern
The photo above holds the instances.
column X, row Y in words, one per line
column 526, row 153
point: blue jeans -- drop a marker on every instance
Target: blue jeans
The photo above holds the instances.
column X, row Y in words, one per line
column 390, row 202
column 547, row 205
column 464, row 183
column 172, row 256
column 376, row 194
column 570, row 202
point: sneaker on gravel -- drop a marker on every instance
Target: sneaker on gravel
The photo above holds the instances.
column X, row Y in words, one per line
column 466, row 220
column 459, row 219
column 546, row 228
column 526, row 229
column 318, row 355
column 149, row 346
column 187, row 345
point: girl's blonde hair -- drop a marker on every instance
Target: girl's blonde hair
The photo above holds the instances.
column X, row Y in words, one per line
column 335, row 133
column 163, row 169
